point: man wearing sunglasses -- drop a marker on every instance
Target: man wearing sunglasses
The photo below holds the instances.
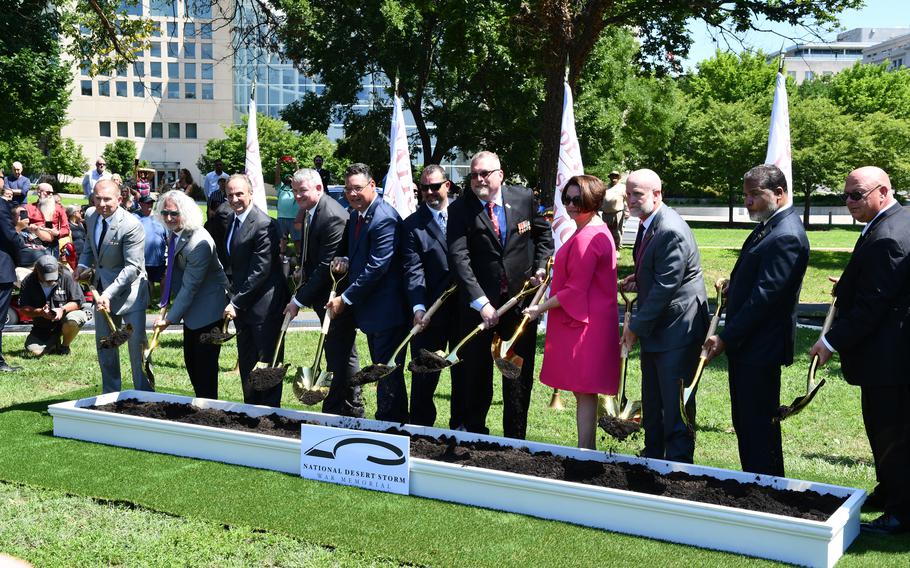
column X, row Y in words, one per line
column 871, row 333
column 427, row 276
column 760, row 329
column 497, row 241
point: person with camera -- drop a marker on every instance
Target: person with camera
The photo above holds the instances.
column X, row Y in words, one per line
column 53, row 299
column 47, row 219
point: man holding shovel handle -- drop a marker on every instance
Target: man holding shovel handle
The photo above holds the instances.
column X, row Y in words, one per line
column 760, row 330
column 870, row 333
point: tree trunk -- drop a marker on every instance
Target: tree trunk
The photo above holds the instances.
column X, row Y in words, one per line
column 806, row 208
column 550, row 131
column 730, row 207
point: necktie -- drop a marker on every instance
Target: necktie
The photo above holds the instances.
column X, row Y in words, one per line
column 357, row 226
column 306, row 238
column 638, row 236
column 230, row 243
column 103, row 232
column 491, row 209
column 442, row 222
column 169, row 273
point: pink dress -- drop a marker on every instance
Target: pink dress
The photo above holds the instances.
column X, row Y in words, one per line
column 581, row 352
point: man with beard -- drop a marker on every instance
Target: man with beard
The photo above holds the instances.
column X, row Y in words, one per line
column 48, row 216
column 671, row 319
column 760, row 329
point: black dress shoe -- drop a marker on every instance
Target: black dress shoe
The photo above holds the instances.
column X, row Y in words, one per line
column 875, row 501
column 885, row 525
column 7, row 368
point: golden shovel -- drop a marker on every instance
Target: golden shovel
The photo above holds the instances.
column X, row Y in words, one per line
column 619, row 406
column 147, row 349
column 118, row 336
column 812, row 387
column 311, row 384
column 264, row 377
column 429, row 362
column 685, row 393
column 375, row 372
column 508, row 362
column 218, row 336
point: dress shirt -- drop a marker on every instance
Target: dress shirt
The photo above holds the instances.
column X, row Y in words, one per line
column 482, row 301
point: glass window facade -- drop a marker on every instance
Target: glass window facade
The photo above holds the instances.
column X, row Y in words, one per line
column 157, row 130
column 173, row 90
column 104, row 129
column 163, row 8
column 123, row 129
column 189, row 70
column 173, row 70
column 155, row 89
column 190, row 130
column 131, row 7
column 86, row 87
column 205, row 51
column 189, row 90
column 173, row 130
column 104, row 88
column 121, row 89
column 139, row 129
column 155, row 69
column 208, row 91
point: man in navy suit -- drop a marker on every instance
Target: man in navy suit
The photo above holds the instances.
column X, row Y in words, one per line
column 375, row 289
column 672, row 316
column 259, row 291
column 322, row 229
column 760, row 329
column 872, row 333
column 427, row 275
column 9, row 254
column 497, row 241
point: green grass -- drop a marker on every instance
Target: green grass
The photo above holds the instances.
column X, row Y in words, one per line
column 837, row 237
column 69, row 503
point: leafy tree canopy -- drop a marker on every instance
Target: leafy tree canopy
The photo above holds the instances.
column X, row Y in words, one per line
column 120, row 156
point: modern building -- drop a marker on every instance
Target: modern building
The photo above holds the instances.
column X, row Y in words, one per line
column 176, row 97
column 895, row 50
column 805, row 61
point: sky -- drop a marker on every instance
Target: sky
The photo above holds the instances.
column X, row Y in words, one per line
column 876, row 13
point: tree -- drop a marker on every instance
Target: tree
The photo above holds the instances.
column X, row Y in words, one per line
column 865, row 89
column 120, row 156
column 65, row 158
column 276, row 139
column 23, row 149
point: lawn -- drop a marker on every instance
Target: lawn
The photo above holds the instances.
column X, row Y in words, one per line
column 68, row 503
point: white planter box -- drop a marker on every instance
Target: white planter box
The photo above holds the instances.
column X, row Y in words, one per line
column 765, row 535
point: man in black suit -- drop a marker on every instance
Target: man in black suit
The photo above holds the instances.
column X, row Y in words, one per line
column 760, row 329
column 322, row 229
column 497, row 241
column 427, row 276
column 375, row 291
column 871, row 333
column 9, row 254
column 259, row 292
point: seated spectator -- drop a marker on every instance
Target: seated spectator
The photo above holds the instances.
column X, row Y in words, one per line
column 30, row 243
column 50, row 216
column 155, row 242
column 77, row 232
column 53, row 299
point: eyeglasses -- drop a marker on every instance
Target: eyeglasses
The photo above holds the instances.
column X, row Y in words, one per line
column 100, row 164
column 354, row 188
column 482, row 175
column 432, row 186
column 857, row 195
column 166, row 213
column 573, row 199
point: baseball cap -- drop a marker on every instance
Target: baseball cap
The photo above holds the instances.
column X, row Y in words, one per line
column 615, row 173
column 146, row 199
column 47, row 266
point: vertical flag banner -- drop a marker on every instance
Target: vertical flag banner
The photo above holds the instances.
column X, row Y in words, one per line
column 253, row 164
column 569, row 165
column 779, row 152
column 399, row 186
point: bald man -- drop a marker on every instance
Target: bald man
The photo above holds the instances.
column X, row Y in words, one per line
column 870, row 333
column 672, row 316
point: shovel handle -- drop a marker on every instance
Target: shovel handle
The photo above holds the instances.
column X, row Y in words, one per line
column 284, row 329
column 105, row 313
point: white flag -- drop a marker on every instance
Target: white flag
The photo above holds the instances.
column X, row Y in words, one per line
column 253, row 164
column 779, row 136
column 569, row 165
column 399, row 186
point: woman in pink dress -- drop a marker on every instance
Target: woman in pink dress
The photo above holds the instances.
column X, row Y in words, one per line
column 581, row 352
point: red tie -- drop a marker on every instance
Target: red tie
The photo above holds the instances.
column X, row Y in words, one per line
column 357, row 226
column 494, row 220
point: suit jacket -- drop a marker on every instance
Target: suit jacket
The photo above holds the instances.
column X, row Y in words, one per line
column 217, row 227
column 764, row 292
column 322, row 241
column 375, row 287
column 477, row 256
column 119, row 261
column 871, row 329
column 672, row 303
column 9, row 250
column 425, row 257
column 198, row 284
column 258, row 288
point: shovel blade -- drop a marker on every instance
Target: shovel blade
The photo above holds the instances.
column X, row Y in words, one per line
column 799, row 403
column 610, row 406
column 510, row 365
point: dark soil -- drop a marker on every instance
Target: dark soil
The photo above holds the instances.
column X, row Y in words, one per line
column 427, row 362
column 730, row 493
column 370, row 374
column 215, row 337
column 508, row 369
column 264, row 379
column 617, row 427
column 310, row 397
column 117, row 338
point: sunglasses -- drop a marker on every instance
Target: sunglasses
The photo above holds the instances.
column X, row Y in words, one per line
column 482, row 175
column 857, row 195
column 166, row 213
column 431, row 186
column 574, row 200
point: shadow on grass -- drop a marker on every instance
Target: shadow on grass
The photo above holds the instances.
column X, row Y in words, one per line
column 840, row 460
column 40, row 406
column 829, row 260
column 865, row 543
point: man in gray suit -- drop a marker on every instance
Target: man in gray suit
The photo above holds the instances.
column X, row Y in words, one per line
column 116, row 249
column 194, row 285
column 672, row 315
